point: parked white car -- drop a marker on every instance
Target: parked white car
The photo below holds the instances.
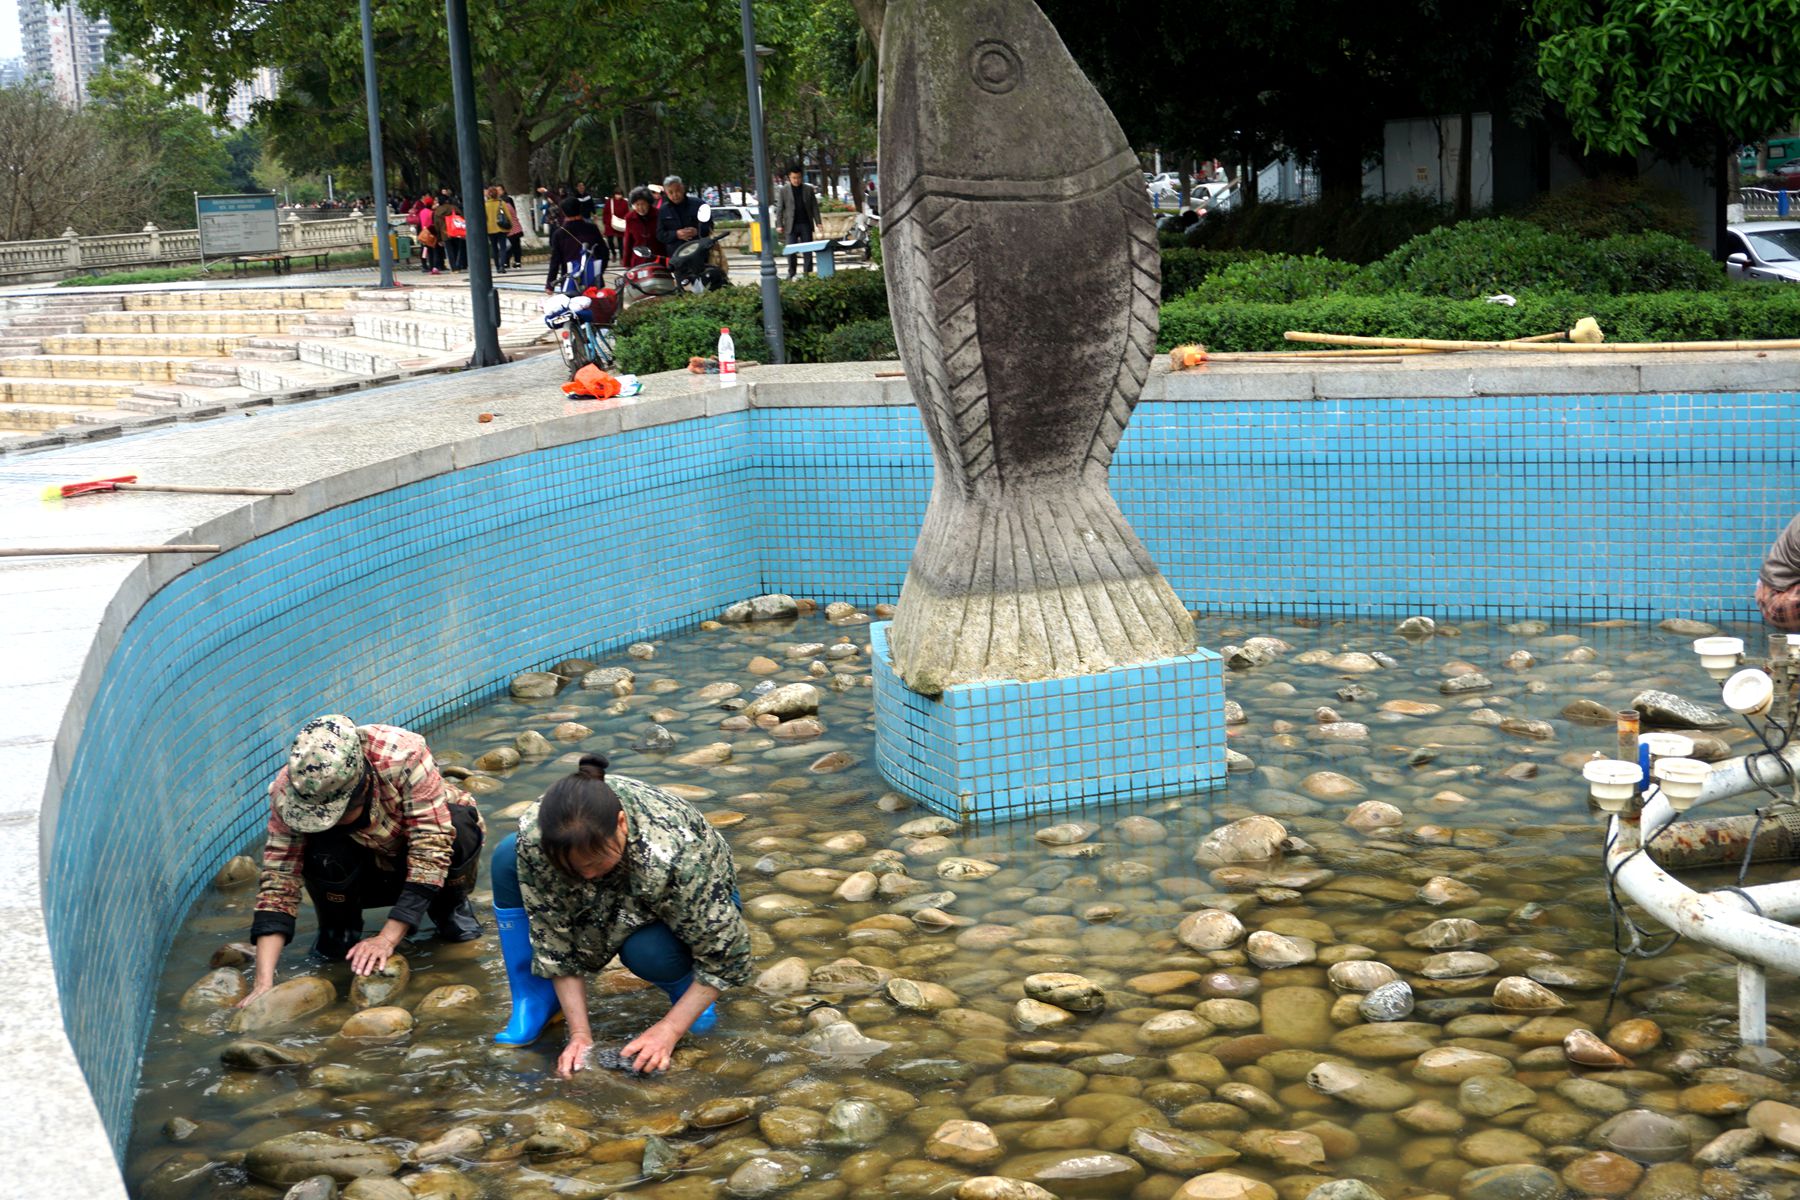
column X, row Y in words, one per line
column 1763, row 250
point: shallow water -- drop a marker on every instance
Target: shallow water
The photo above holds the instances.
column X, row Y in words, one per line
column 1502, row 814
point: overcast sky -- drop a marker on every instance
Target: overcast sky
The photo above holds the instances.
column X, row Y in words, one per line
column 9, row 29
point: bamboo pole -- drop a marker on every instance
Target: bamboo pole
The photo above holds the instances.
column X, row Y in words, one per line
column 1345, row 339
column 36, row 551
column 191, row 489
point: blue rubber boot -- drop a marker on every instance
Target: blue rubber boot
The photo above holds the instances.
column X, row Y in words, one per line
column 533, row 999
column 675, row 990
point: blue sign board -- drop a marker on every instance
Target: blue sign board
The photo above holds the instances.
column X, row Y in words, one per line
column 237, row 225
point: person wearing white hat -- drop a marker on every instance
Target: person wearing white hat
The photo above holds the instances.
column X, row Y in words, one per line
column 361, row 818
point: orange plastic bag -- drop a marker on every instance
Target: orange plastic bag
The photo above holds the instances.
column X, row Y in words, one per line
column 592, row 383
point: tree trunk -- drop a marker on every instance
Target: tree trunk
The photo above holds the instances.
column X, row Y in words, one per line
column 1247, row 194
column 1762, row 158
column 1465, row 165
column 620, row 169
column 1340, row 172
column 871, row 13
column 512, row 144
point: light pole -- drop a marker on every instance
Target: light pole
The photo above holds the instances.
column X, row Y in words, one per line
column 484, row 304
column 384, row 253
column 771, row 290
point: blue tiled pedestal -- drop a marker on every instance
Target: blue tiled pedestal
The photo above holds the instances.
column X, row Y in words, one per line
column 1005, row 749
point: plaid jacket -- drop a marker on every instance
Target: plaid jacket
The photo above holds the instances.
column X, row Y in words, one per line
column 408, row 818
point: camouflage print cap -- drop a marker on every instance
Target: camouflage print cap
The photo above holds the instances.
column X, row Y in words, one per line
column 323, row 769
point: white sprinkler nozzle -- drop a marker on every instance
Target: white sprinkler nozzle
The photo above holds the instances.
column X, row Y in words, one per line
column 1749, row 692
column 1719, row 655
column 1681, row 780
column 1667, row 745
column 1611, row 782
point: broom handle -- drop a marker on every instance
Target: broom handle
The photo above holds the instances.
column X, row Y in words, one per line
column 202, row 491
column 35, row 551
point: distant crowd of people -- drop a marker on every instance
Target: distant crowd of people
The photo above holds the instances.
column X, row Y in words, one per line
column 650, row 222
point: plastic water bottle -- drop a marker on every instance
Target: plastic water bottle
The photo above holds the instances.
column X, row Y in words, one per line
column 727, row 359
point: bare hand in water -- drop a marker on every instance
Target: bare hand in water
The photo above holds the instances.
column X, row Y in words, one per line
column 574, row 1055
column 651, row 1050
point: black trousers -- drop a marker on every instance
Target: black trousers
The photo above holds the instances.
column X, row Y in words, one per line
column 343, row 877
column 801, row 234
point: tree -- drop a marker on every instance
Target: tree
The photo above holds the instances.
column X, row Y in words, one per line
column 1627, row 70
column 245, row 149
column 185, row 152
column 1687, row 78
column 59, row 170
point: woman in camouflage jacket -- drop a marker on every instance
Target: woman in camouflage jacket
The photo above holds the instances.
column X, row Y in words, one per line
column 605, row 867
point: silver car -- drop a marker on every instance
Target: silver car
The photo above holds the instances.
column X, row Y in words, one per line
column 1763, row 250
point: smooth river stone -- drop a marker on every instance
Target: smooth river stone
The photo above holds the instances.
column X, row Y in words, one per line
column 1389, row 1002
column 1360, row 975
column 292, row 1157
column 1778, row 1122
column 1391, row 1041
column 1223, row 1185
column 1076, row 993
column 1299, row 1017
column 1209, row 929
column 1649, row 1137
column 215, row 989
column 1077, row 1174
column 1253, row 839
column 1178, row 1152
column 1360, row 1088
column 381, row 988
column 995, row 1187
column 284, row 1003
column 1453, row 1064
column 1513, row 1181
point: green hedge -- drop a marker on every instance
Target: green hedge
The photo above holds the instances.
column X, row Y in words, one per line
column 1606, row 207
column 1185, row 268
column 1278, row 279
column 1749, row 311
column 1480, row 258
column 662, row 336
column 1358, row 231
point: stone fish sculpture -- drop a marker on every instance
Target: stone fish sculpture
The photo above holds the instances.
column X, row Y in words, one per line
column 1023, row 274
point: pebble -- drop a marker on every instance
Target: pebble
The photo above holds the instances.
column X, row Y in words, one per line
column 1223, row 1185
column 1647, row 1137
column 1778, row 1122
column 1209, row 929
column 1389, row 1002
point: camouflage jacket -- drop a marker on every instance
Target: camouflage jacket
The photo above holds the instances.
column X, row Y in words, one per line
column 677, row 869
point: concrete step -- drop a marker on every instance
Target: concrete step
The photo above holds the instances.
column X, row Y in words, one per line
column 450, row 302
column 211, row 344
column 360, row 356
column 290, row 376
column 16, row 417
column 20, row 345
column 73, row 366
column 16, row 389
column 46, row 322
column 414, row 331
column 210, row 372
column 306, row 299
column 265, row 354
column 184, row 321
column 163, row 399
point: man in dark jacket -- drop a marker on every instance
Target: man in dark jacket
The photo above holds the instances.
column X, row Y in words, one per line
column 569, row 240
column 796, row 215
column 678, row 218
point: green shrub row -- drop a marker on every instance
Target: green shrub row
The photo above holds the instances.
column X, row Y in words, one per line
column 1749, row 311
column 1480, row 258
column 1358, row 231
column 1185, row 268
column 816, row 314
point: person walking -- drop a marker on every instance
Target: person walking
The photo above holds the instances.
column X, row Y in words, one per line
column 361, row 818
column 499, row 226
column 796, row 215
column 515, row 241
column 589, row 206
column 423, row 217
column 614, row 226
column 456, row 234
column 614, row 866
column 576, row 238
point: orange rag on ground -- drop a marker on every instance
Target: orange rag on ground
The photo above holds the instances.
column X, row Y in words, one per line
column 592, row 383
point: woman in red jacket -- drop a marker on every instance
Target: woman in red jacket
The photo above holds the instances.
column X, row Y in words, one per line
column 640, row 230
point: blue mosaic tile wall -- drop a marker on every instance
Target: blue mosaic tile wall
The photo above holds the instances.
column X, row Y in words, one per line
column 394, row 608
column 430, row 597
column 1004, row 750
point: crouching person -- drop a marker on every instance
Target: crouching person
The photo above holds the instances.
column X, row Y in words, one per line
column 360, row 818
column 601, row 868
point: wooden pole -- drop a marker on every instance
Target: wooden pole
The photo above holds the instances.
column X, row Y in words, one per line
column 1345, row 339
column 192, row 490
column 37, row 551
